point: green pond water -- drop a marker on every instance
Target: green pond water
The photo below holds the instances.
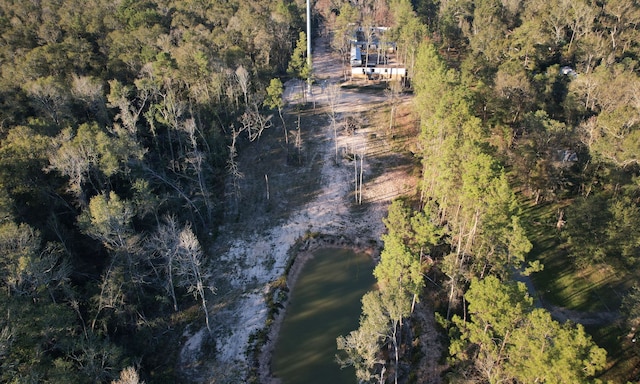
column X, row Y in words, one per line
column 325, row 304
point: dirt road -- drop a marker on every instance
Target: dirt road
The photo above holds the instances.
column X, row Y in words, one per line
column 563, row 314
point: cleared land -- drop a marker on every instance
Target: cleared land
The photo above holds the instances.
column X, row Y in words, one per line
column 309, row 194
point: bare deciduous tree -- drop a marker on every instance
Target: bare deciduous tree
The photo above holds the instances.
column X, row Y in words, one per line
column 128, row 375
column 89, row 91
column 352, row 123
column 111, row 294
column 244, row 80
column 49, row 97
column 6, row 339
column 27, row 267
column 189, row 269
column 393, row 97
column 196, row 158
column 71, row 161
column 181, row 261
column 297, row 135
column 358, row 174
column 96, row 358
column 191, row 202
column 232, row 165
column 367, row 29
column 163, row 244
column 254, row 122
column 334, row 92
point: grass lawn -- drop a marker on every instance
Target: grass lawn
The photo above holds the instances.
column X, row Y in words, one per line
column 592, row 289
column 561, row 283
column 623, row 356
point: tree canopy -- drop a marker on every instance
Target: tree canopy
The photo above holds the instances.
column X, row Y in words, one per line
column 114, row 116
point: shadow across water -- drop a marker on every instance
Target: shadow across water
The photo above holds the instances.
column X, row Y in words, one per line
column 325, row 304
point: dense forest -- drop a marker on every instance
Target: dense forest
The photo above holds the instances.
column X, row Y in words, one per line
column 121, row 121
column 115, row 125
column 528, row 146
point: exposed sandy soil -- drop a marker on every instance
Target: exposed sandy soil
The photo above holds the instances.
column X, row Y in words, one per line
column 253, row 252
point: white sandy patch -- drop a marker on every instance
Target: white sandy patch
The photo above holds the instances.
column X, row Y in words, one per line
column 194, row 342
column 249, row 315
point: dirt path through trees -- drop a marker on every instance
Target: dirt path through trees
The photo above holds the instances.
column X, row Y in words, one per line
column 563, row 314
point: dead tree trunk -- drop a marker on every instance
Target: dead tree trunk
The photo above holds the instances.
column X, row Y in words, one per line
column 355, row 177
column 361, row 172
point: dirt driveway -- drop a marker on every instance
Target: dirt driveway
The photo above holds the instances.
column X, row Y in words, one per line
column 327, row 70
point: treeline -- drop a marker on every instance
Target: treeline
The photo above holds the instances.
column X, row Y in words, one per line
column 465, row 228
column 554, row 82
column 115, row 128
column 555, row 85
column 466, row 189
column 518, row 102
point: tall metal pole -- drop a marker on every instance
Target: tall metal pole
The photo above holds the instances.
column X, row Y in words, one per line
column 309, row 43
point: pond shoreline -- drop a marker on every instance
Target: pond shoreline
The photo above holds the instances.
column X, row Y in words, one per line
column 305, row 252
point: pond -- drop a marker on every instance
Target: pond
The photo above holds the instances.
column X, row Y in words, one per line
column 325, row 304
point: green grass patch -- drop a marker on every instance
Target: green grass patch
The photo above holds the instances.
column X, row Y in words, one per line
column 623, row 355
column 562, row 283
column 592, row 289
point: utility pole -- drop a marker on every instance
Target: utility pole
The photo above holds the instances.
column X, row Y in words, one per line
column 309, row 64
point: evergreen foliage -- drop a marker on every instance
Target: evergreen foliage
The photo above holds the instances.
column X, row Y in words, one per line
column 507, row 339
column 115, row 115
column 520, row 102
column 118, row 127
